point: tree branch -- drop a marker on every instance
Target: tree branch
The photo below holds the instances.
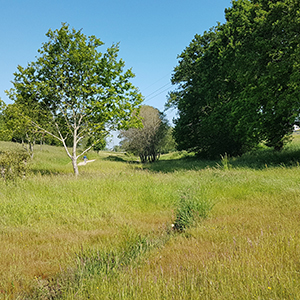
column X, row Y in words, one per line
column 89, row 148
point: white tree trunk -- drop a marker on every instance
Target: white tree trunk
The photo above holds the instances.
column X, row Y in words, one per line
column 75, row 166
column 74, row 154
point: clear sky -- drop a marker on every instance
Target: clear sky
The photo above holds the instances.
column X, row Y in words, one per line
column 151, row 34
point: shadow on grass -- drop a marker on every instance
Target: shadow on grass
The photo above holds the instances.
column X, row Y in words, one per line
column 129, row 160
column 114, row 158
column 162, row 165
column 45, row 172
column 259, row 159
column 173, row 162
column 179, row 164
column 265, row 158
column 36, row 171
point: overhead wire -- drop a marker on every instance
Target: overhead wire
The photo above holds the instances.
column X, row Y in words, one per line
column 157, row 81
column 146, row 100
column 157, row 90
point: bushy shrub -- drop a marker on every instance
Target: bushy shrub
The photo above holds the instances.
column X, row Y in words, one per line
column 13, row 164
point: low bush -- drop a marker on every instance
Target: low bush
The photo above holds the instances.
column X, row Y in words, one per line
column 13, row 164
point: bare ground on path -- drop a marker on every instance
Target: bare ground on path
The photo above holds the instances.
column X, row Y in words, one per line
column 83, row 163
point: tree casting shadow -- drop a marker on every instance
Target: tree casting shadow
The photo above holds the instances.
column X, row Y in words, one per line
column 258, row 160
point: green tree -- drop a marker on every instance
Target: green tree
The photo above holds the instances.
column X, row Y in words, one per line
column 237, row 83
column 18, row 127
column 204, row 100
column 2, row 106
column 100, row 143
column 13, row 164
column 148, row 141
column 266, row 47
column 81, row 91
column 169, row 144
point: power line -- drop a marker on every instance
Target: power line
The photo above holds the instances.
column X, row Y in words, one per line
column 157, row 90
column 157, row 94
column 157, row 81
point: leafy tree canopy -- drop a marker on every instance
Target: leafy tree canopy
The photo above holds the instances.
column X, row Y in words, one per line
column 149, row 141
column 80, row 91
column 238, row 83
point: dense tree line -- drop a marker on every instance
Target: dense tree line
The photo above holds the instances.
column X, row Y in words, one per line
column 238, row 83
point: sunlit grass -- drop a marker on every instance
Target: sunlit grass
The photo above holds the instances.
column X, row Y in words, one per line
column 248, row 248
column 54, row 228
column 46, row 219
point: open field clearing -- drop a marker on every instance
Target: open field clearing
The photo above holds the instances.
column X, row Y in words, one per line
column 108, row 234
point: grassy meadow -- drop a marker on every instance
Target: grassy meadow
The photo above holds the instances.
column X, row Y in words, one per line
column 108, row 234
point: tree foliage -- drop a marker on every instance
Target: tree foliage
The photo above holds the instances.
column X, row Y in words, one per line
column 18, row 127
column 13, row 164
column 79, row 90
column 238, row 83
column 147, row 142
column 2, row 106
column 98, row 143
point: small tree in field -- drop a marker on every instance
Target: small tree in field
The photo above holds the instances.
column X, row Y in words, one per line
column 147, row 142
column 79, row 90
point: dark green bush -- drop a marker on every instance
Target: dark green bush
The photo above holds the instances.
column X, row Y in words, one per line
column 13, row 164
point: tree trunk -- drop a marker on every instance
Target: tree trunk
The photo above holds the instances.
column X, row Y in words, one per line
column 74, row 152
column 31, row 147
column 75, row 166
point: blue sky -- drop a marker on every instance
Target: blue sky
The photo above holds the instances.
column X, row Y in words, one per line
column 151, row 34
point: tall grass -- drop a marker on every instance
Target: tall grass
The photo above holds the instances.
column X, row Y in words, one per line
column 108, row 234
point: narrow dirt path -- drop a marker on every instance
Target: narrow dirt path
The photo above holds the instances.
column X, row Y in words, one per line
column 83, row 163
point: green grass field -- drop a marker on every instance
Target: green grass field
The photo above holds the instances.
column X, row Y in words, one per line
column 108, row 234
